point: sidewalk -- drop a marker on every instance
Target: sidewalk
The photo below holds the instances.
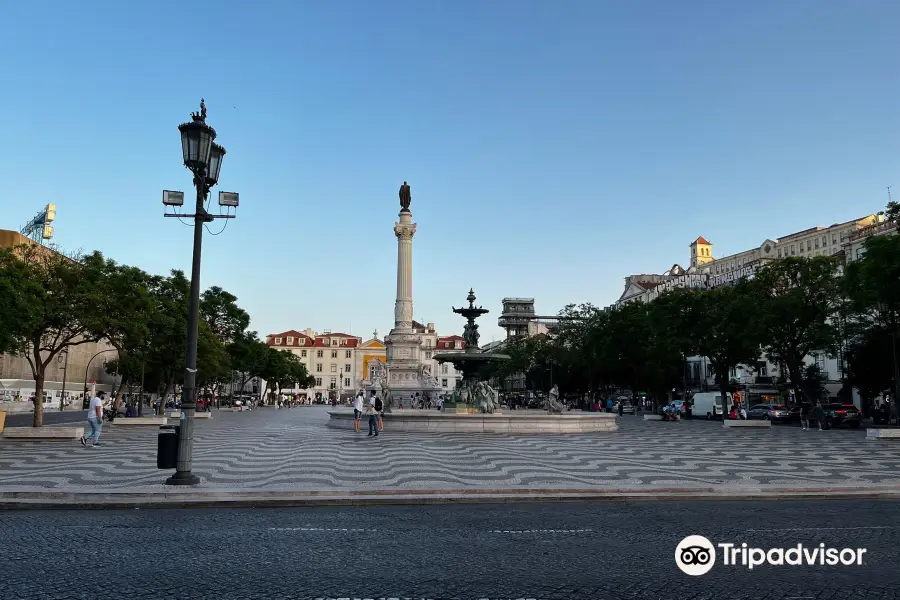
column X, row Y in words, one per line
column 289, row 457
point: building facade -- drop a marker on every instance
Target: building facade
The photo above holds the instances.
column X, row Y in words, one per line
column 706, row 271
column 340, row 363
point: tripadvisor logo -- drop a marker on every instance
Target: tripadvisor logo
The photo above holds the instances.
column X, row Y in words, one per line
column 696, row 555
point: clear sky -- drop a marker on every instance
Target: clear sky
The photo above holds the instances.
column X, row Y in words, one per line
column 552, row 147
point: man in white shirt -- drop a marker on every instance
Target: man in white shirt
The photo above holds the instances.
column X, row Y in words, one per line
column 95, row 419
column 358, row 409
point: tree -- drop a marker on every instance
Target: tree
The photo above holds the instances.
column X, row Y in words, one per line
column 248, row 357
column 54, row 309
column 283, row 369
column 868, row 364
column 797, row 298
column 124, row 310
column 719, row 324
column 226, row 320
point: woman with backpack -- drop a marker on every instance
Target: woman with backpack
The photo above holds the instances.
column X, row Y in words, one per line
column 379, row 410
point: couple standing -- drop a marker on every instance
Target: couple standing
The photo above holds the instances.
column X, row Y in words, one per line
column 374, row 409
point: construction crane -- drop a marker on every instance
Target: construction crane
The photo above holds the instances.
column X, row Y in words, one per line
column 39, row 229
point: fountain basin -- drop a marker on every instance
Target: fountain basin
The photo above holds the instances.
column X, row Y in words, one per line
column 513, row 422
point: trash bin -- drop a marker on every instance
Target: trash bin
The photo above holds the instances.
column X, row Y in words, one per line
column 167, row 447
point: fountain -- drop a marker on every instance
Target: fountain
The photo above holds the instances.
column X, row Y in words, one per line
column 471, row 395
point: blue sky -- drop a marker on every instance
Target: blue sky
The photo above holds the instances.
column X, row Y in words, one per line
column 552, row 147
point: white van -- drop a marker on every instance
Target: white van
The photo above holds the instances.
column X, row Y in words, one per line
column 709, row 405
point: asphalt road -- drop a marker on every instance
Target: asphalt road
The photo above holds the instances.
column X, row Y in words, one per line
column 51, row 417
column 583, row 551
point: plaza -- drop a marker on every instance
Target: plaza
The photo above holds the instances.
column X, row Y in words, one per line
column 292, row 450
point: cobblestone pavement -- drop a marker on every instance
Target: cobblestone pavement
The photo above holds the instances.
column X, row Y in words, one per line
column 293, row 450
column 573, row 551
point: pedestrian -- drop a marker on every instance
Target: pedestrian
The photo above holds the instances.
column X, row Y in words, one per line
column 818, row 414
column 609, row 405
column 379, row 410
column 804, row 416
column 373, row 415
column 621, row 408
column 95, row 419
column 358, row 409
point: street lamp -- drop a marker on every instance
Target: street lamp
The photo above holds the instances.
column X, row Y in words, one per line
column 889, row 316
column 202, row 157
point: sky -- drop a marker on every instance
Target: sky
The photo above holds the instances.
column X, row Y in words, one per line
column 552, row 148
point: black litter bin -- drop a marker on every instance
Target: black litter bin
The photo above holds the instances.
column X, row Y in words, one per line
column 167, row 447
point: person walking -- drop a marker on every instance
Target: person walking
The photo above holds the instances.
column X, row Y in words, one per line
column 373, row 415
column 358, row 409
column 95, row 419
column 818, row 414
column 804, row 416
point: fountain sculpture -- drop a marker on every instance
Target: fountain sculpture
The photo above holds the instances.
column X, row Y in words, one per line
column 471, row 394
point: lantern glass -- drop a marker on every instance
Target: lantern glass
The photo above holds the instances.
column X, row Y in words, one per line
column 217, row 153
column 196, row 144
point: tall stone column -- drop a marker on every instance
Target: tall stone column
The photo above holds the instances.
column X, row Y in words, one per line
column 404, row 229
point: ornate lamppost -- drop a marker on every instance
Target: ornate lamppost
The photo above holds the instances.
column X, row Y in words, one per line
column 203, row 158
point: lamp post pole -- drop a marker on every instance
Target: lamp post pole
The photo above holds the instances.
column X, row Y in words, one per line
column 203, row 157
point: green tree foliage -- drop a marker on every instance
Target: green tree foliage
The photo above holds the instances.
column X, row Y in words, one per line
column 797, row 298
column 54, row 307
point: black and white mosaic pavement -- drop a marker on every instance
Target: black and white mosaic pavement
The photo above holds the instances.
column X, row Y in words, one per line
column 294, row 450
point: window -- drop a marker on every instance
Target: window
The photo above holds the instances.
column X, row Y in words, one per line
column 333, row 383
column 428, row 343
column 428, row 355
column 443, row 383
column 346, row 368
column 334, row 368
column 302, row 353
column 801, row 246
column 817, row 242
column 824, row 240
column 302, row 341
column 809, row 245
column 319, row 381
column 334, row 354
column 792, row 250
column 779, row 253
column 348, row 354
column 319, row 354
column 346, row 382
column 762, row 369
column 334, row 342
column 277, row 341
column 443, row 369
column 457, row 345
column 318, row 367
column 290, row 340
column 834, row 238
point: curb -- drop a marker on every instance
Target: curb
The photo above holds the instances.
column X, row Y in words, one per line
column 50, row 500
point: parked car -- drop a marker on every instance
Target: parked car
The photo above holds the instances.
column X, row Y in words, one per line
column 841, row 414
column 770, row 412
column 627, row 408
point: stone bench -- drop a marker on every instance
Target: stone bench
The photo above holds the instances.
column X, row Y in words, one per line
column 43, row 434
column 882, row 434
column 747, row 423
column 140, row 421
column 197, row 415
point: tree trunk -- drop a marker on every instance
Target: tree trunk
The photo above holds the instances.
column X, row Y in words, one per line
column 38, row 398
